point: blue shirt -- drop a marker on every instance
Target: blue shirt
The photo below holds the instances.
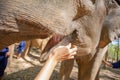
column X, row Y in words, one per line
column 22, row 45
column 3, row 60
column 116, row 64
column 4, row 51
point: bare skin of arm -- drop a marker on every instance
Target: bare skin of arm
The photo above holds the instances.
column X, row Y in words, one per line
column 107, row 63
column 58, row 54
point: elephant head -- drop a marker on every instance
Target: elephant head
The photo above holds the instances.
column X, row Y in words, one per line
column 87, row 30
column 111, row 27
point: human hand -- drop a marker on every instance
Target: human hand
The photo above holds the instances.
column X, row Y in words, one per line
column 64, row 52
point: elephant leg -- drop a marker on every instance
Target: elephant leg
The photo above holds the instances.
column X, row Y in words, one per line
column 11, row 48
column 88, row 68
column 65, row 69
column 79, row 67
column 85, row 67
column 27, row 49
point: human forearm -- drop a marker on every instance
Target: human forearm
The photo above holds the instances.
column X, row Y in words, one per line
column 58, row 54
column 107, row 63
column 47, row 69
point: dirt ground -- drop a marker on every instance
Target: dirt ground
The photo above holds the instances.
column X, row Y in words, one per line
column 27, row 69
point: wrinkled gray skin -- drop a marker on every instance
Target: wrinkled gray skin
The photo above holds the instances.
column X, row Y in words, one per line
column 88, row 38
column 27, row 19
column 23, row 20
column 30, row 19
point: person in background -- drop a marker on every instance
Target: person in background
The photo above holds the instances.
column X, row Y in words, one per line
column 58, row 54
column 113, row 65
column 4, row 54
column 20, row 49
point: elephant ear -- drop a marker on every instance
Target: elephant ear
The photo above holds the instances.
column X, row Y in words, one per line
column 111, row 27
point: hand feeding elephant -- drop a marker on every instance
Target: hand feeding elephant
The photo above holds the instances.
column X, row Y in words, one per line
column 86, row 37
column 24, row 20
column 110, row 31
column 30, row 19
column 88, row 68
column 87, row 42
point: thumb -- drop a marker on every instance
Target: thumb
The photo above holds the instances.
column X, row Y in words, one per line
column 69, row 46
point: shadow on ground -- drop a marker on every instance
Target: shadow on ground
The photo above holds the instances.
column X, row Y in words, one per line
column 28, row 68
column 28, row 74
column 109, row 74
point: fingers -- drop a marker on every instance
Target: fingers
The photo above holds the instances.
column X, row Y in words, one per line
column 72, row 50
column 73, row 54
column 69, row 46
column 65, row 52
column 68, row 56
column 73, row 46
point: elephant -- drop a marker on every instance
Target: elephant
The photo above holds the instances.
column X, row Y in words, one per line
column 77, row 21
column 88, row 70
column 28, row 19
column 87, row 39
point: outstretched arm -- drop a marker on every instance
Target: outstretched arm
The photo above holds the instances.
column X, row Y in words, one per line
column 107, row 63
column 58, row 54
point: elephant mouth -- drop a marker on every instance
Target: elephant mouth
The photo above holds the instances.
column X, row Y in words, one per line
column 55, row 40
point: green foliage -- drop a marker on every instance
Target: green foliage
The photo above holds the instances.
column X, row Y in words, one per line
column 113, row 50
